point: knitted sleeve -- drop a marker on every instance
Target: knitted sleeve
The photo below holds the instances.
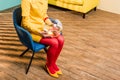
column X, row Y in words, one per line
column 25, row 5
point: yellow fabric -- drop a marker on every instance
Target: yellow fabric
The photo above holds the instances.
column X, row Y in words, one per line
column 33, row 14
column 87, row 5
column 53, row 2
column 48, row 22
column 77, row 2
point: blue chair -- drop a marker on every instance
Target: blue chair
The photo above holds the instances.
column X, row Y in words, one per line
column 25, row 37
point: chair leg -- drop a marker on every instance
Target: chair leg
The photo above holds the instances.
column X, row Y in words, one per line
column 24, row 52
column 30, row 63
column 95, row 9
column 83, row 15
column 45, row 49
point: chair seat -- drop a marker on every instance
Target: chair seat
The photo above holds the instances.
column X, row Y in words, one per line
column 38, row 46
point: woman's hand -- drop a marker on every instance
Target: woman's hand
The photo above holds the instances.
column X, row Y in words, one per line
column 53, row 27
column 45, row 34
column 56, row 33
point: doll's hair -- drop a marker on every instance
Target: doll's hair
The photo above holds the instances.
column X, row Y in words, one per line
column 58, row 23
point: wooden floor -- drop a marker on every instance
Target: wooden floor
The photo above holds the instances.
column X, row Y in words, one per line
column 91, row 50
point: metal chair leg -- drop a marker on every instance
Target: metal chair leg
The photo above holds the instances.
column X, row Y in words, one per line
column 83, row 15
column 30, row 63
column 95, row 9
column 45, row 49
column 24, row 52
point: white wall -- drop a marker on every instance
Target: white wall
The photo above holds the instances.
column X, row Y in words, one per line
column 110, row 5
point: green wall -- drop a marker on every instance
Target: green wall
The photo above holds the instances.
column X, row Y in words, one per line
column 5, row 4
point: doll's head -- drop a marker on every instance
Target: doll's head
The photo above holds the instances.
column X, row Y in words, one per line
column 57, row 23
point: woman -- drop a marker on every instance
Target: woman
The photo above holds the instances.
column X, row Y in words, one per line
column 34, row 19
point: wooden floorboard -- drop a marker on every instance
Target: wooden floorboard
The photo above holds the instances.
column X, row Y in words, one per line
column 91, row 50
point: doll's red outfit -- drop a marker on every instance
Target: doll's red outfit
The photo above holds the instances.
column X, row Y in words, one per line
column 34, row 13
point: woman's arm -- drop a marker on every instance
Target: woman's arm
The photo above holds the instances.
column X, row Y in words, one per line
column 27, row 25
column 25, row 5
column 47, row 20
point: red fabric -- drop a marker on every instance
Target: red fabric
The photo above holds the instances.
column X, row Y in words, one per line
column 55, row 46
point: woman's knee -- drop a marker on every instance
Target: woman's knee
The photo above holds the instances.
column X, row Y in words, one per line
column 54, row 42
column 61, row 39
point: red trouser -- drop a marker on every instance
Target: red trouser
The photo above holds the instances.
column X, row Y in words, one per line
column 55, row 45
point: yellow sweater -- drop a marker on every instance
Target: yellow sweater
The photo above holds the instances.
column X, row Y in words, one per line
column 33, row 14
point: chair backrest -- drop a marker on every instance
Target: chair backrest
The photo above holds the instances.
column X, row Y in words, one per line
column 24, row 35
